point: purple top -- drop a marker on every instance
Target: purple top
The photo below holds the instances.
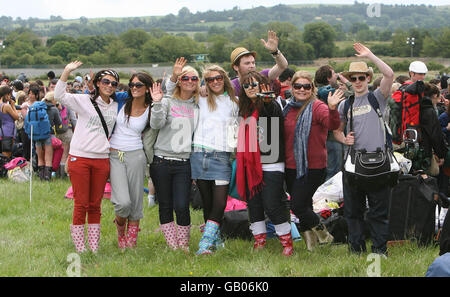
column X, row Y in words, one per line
column 7, row 124
column 237, row 85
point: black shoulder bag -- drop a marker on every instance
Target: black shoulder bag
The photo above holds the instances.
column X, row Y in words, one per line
column 102, row 119
column 372, row 170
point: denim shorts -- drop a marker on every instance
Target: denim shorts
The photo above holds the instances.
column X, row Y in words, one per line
column 210, row 165
column 43, row 142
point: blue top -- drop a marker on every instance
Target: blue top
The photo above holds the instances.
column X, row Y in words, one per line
column 121, row 98
column 440, row 267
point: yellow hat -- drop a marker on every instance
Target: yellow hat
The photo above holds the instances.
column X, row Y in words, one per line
column 239, row 52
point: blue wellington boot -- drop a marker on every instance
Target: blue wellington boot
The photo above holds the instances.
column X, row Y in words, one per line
column 207, row 243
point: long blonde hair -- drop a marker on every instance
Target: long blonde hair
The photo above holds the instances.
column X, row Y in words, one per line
column 177, row 91
column 305, row 75
column 228, row 87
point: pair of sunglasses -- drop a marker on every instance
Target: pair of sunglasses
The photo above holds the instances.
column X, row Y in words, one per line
column 253, row 85
column 307, row 87
column 189, row 78
column 219, row 78
column 138, row 85
column 107, row 82
column 360, row 78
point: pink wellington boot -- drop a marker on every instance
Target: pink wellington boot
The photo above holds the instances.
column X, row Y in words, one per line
column 93, row 231
column 132, row 235
column 170, row 234
column 77, row 232
column 121, row 236
column 183, row 237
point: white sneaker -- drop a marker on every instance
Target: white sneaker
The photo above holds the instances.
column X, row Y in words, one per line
column 151, row 200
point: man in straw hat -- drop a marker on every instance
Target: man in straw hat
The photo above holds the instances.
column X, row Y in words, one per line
column 243, row 61
column 367, row 134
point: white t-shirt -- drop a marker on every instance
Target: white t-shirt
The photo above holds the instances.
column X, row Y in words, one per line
column 127, row 135
column 211, row 131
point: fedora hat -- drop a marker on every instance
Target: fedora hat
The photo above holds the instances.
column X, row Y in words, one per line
column 358, row 68
column 239, row 52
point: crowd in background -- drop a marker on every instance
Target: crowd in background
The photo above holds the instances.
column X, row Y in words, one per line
column 293, row 139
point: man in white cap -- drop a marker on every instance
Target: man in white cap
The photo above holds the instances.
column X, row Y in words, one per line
column 417, row 71
column 366, row 134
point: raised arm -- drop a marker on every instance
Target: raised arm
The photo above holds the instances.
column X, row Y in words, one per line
column 272, row 46
column 388, row 73
column 68, row 69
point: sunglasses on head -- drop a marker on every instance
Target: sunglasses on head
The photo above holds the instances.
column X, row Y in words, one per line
column 304, row 86
column 253, row 85
column 187, row 78
column 360, row 78
column 137, row 85
column 219, row 78
column 107, row 82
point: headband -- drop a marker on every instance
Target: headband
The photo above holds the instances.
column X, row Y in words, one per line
column 110, row 72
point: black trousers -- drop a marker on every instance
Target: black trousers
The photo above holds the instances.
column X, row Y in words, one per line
column 302, row 191
column 355, row 206
column 270, row 201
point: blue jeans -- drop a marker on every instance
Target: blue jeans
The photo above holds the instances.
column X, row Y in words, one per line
column 172, row 180
column 377, row 217
column 335, row 152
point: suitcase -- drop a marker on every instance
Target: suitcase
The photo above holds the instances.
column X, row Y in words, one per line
column 412, row 208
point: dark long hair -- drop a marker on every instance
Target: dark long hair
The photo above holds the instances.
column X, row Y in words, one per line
column 4, row 90
column 148, row 81
column 246, row 106
column 98, row 76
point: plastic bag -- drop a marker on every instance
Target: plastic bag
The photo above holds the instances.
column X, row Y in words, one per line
column 19, row 175
column 328, row 194
column 405, row 164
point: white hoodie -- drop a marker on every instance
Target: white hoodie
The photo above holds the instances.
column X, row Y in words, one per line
column 89, row 139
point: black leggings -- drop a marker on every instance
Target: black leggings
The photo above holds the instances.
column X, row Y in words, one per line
column 214, row 199
column 302, row 190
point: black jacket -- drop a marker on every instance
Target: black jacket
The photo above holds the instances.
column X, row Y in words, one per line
column 432, row 136
column 271, row 143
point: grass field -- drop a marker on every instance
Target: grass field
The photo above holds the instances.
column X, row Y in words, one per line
column 35, row 241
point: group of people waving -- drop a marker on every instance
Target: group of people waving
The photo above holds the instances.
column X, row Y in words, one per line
column 186, row 133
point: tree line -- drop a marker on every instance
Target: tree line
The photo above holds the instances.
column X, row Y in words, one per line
column 345, row 16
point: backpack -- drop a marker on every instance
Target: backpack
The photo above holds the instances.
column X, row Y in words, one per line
column 38, row 118
column 404, row 111
column 65, row 122
column 3, row 161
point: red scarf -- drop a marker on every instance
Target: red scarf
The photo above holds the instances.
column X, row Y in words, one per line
column 249, row 171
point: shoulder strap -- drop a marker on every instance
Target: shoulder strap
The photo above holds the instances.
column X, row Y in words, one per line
column 387, row 134
column 348, row 105
column 102, row 119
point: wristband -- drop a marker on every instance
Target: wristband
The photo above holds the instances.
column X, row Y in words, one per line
column 276, row 53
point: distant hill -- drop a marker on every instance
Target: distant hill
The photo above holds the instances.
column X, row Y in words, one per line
column 344, row 16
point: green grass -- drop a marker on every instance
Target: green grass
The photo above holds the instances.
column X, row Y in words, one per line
column 35, row 241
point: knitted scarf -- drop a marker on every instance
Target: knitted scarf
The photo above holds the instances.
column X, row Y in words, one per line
column 301, row 138
column 249, row 171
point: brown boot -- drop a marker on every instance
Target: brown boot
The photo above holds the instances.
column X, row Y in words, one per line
column 310, row 239
column 322, row 234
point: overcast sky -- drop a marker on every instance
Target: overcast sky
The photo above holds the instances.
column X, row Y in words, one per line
column 74, row 9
